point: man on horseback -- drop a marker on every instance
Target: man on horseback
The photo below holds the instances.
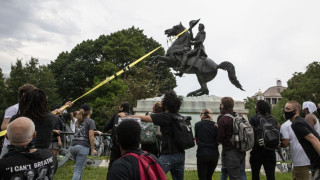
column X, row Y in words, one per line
column 198, row 49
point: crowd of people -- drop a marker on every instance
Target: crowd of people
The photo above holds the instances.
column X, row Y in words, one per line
column 33, row 140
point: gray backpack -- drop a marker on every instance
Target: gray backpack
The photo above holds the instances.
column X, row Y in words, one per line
column 243, row 134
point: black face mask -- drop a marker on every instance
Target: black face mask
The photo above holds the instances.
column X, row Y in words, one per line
column 221, row 110
column 318, row 110
column 289, row 115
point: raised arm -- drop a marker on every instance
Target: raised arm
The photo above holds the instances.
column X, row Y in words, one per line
column 143, row 118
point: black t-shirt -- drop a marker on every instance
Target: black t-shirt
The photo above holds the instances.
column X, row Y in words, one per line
column 126, row 168
column 206, row 134
column 59, row 126
column 302, row 128
column 37, row 165
column 44, row 130
column 165, row 120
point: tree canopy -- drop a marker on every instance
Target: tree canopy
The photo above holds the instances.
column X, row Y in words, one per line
column 33, row 73
column 304, row 86
column 92, row 61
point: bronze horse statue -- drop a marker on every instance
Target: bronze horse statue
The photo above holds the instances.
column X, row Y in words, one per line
column 204, row 68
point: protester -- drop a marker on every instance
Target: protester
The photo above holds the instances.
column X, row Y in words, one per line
column 172, row 157
column 224, row 171
column 307, row 136
column 115, row 149
column 233, row 157
column 259, row 154
column 83, row 140
column 56, row 139
column 73, row 120
column 23, row 159
column 34, row 105
column 206, row 132
column 127, row 167
column 300, row 161
column 11, row 111
column 308, row 108
column 155, row 147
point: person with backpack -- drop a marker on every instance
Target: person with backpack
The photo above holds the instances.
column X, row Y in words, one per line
column 115, row 149
column 134, row 164
column 266, row 138
column 150, row 133
column 234, row 157
column 206, row 132
column 172, row 155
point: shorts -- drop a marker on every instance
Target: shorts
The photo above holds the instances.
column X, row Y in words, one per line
column 300, row 173
column 54, row 146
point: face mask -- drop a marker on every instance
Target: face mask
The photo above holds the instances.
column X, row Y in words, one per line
column 318, row 110
column 289, row 115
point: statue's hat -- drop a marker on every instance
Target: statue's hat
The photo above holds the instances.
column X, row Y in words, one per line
column 192, row 23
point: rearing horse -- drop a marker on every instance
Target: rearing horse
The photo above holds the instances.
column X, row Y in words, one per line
column 204, row 68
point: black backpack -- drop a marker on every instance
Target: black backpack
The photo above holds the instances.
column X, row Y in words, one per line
column 182, row 132
column 267, row 132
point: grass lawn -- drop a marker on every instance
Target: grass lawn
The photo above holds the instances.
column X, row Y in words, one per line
column 99, row 173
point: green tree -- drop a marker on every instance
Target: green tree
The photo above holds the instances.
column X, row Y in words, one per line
column 250, row 104
column 16, row 79
column 304, row 86
column 32, row 73
column 75, row 71
column 277, row 110
column 3, row 95
column 90, row 62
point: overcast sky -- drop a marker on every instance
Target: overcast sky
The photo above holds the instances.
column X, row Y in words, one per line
column 265, row 40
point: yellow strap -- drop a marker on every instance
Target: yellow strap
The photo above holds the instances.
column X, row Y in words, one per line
column 2, row 133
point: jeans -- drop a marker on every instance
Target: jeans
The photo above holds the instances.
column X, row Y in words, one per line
column 224, row 170
column 206, row 166
column 80, row 154
column 267, row 158
column 173, row 163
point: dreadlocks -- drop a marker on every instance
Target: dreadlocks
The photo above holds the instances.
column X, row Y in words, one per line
column 34, row 105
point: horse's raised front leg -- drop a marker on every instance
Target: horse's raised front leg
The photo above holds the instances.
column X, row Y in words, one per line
column 154, row 60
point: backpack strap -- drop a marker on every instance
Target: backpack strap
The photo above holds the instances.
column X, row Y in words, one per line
column 141, row 170
column 144, row 161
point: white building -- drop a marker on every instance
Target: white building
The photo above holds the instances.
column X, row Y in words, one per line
column 272, row 94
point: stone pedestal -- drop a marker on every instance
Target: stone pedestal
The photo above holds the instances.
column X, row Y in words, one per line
column 191, row 106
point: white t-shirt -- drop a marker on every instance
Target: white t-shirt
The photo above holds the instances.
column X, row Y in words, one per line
column 73, row 124
column 299, row 157
column 10, row 111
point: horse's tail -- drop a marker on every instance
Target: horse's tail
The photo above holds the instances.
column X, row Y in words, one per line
column 228, row 66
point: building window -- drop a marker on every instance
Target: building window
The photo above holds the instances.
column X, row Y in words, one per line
column 274, row 100
column 268, row 100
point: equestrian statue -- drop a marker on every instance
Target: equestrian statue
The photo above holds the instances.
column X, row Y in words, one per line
column 183, row 59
